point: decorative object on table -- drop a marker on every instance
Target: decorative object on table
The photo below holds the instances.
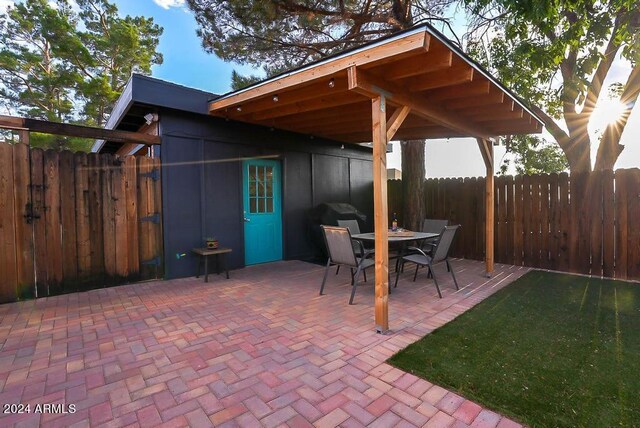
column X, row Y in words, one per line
column 212, row 243
column 401, row 232
column 394, row 223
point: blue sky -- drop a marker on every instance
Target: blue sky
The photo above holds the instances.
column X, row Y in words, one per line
column 185, row 60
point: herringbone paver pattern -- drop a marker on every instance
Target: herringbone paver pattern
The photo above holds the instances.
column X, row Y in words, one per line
column 260, row 349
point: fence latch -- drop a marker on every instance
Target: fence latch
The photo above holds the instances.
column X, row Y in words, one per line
column 152, row 262
column 154, row 174
column 30, row 213
column 153, row 218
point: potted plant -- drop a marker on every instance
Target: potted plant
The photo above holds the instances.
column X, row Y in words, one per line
column 212, row 243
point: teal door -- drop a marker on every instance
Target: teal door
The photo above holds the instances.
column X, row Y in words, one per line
column 262, row 211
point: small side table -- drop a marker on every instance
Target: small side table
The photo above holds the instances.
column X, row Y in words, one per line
column 204, row 253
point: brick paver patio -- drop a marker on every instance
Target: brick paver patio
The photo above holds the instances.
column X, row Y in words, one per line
column 260, row 349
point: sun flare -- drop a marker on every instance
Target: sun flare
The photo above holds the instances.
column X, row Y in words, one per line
column 608, row 111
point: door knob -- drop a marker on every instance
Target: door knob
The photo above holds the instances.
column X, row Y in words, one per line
column 247, row 219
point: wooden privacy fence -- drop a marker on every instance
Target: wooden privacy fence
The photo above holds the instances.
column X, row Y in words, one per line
column 583, row 223
column 76, row 221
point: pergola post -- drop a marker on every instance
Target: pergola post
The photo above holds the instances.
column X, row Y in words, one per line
column 381, row 215
column 24, row 137
column 486, row 148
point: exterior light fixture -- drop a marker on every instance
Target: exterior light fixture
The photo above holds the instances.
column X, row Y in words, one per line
column 239, row 108
column 275, row 98
column 332, row 82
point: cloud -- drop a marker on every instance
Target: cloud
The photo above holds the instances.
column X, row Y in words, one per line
column 166, row 4
column 4, row 4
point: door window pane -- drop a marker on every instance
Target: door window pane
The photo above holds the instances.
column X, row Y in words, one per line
column 261, row 191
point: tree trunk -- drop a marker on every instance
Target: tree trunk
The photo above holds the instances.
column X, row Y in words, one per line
column 413, row 174
column 578, row 152
column 610, row 148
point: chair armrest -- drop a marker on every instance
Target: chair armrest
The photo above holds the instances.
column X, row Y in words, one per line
column 418, row 250
column 363, row 252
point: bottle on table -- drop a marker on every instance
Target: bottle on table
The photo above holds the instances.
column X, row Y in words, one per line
column 394, row 223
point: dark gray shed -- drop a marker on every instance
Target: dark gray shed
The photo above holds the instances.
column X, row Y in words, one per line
column 202, row 174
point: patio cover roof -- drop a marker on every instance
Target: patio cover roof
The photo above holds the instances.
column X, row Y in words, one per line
column 412, row 85
column 446, row 94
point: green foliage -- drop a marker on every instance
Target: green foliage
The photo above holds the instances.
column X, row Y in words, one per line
column 534, row 155
column 239, row 81
column 279, row 35
column 117, row 47
column 60, row 64
column 550, row 350
column 556, row 55
column 35, row 71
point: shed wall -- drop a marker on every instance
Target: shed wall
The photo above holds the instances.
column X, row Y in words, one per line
column 202, row 184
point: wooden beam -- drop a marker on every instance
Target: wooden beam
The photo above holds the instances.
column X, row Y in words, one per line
column 324, row 102
column 507, row 105
column 381, row 220
column 349, row 111
column 386, row 52
column 426, row 132
column 487, row 153
column 463, row 73
column 495, row 96
column 371, row 86
column 131, row 148
column 486, row 148
column 285, row 98
column 476, row 88
column 55, row 128
column 23, row 137
column 498, row 116
column 394, row 123
column 515, row 128
column 434, row 61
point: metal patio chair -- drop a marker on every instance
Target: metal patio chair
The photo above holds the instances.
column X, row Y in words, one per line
column 439, row 254
column 430, row 225
column 341, row 252
column 358, row 247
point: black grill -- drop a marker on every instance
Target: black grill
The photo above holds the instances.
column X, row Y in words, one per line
column 328, row 214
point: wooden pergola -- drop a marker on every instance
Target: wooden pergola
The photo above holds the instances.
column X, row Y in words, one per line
column 413, row 85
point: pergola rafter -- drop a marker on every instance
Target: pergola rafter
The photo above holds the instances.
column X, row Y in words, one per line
column 413, row 85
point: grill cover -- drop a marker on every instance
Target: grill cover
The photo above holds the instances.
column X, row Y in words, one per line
column 328, row 214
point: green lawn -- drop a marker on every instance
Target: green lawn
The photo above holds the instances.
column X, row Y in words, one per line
column 549, row 350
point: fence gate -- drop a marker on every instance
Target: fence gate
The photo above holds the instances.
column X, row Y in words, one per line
column 76, row 221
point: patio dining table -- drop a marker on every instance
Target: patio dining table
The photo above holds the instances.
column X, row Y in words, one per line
column 403, row 240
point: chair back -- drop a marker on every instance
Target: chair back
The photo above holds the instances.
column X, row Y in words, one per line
column 434, row 226
column 338, row 241
column 441, row 252
column 352, row 225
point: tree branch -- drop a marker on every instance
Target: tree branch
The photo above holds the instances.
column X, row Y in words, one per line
column 595, row 87
column 610, row 148
column 558, row 133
